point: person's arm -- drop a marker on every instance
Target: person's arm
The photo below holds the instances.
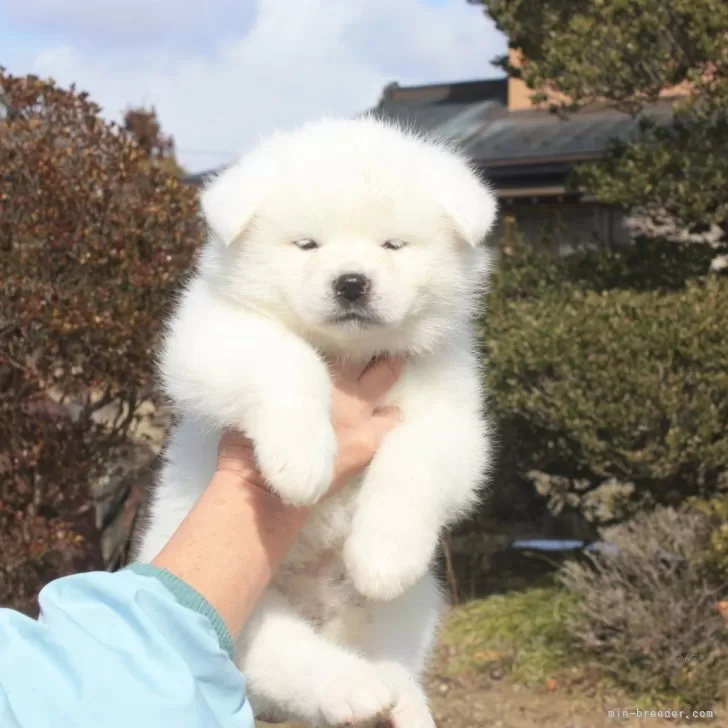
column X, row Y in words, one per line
column 238, row 533
column 116, row 650
column 151, row 645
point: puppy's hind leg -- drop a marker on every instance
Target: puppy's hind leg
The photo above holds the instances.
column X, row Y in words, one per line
column 398, row 641
column 293, row 672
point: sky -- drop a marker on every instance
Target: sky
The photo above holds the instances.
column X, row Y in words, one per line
column 221, row 75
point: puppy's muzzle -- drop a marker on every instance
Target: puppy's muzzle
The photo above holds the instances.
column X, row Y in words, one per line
column 351, row 288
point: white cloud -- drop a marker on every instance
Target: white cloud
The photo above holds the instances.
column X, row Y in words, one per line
column 298, row 59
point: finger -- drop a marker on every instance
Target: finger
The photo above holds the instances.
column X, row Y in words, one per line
column 236, row 454
column 234, row 440
column 379, row 378
column 347, row 372
column 236, row 451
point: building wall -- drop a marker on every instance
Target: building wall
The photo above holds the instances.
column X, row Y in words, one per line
column 563, row 227
column 519, row 95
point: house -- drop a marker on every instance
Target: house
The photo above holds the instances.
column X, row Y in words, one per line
column 526, row 152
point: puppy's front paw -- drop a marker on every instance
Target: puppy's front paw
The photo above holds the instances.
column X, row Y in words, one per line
column 411, row 709
column 296, row 453
column 384, row 562
column 352, row 692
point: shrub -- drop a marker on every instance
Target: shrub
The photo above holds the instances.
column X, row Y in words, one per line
column 648, row 618
column 607, row 369
column 715, row 559
column 93, row 240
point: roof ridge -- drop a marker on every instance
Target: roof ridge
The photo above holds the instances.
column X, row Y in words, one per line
column 462, row 91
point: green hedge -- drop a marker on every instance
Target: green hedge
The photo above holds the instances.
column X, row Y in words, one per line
column 611, row 367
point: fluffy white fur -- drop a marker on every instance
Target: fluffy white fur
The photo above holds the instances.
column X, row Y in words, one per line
column 343, row 633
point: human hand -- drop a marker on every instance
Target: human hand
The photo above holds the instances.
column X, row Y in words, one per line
column 359, row 421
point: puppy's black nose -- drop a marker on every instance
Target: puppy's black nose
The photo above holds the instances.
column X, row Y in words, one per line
column 351, row 287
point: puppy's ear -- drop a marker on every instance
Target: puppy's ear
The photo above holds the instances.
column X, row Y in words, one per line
column 229, row 202
column 471, row 206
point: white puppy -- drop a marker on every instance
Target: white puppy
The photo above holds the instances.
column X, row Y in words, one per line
column 350, row 239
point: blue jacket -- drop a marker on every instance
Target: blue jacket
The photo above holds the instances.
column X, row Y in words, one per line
column 132, row 649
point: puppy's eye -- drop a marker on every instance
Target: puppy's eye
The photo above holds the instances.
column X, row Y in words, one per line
column 306, row 244
column 394, row 244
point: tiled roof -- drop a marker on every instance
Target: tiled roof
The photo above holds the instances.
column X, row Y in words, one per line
column 493, row 136
column 521, row 136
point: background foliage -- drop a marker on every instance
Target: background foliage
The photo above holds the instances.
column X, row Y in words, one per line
column 626, row 53
column 93, row 240
column 608, row 367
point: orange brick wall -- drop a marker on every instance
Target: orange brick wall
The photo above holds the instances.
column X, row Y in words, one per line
column 519, row 95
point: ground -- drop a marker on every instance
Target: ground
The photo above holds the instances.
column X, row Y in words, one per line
column 472, row 701
column 486, row 703
column 481, row 701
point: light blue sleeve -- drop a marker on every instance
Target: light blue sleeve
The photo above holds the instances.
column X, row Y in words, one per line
column 132, row 649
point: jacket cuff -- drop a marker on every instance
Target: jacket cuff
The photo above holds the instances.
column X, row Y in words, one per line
column 188, row 597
